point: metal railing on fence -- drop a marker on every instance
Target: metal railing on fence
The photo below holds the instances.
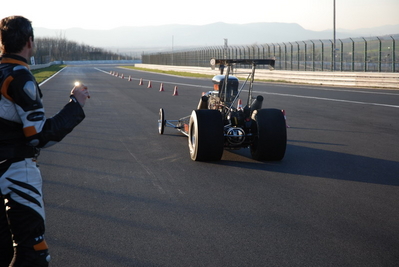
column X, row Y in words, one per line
column 372, row 54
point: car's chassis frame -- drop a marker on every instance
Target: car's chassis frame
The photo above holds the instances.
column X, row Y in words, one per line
column 220, row 122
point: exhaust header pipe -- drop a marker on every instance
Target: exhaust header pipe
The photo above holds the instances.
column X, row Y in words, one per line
column 257, row 104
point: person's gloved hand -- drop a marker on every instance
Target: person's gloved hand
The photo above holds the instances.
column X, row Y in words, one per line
column 80, row 93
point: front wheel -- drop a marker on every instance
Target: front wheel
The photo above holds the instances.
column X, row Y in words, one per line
column 161, row 121
column 206, row 136
column 271, row 135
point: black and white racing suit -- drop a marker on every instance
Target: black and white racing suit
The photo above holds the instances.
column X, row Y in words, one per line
column 24, row 130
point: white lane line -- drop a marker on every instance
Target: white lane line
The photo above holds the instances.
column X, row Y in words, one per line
column 307, row 97
column 331, row 99
column 52, row 76
column 361, row 90
column 181, row 84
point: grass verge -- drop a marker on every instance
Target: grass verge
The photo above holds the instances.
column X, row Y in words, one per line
column 196, row 75
column 45, row 73
column 178, row 73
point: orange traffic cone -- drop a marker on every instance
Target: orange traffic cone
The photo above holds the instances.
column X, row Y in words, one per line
column 122, row 77
column 175, row 91
column 141, row 81
column 285, row 117
column 111, row 72
column 130, row 78
column 239, row 104
column 149, row 84
column 161, row 88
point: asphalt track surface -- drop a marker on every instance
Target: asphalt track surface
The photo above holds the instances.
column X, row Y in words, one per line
column 119, row 194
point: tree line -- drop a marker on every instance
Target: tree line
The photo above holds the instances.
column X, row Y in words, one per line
column 60, row 49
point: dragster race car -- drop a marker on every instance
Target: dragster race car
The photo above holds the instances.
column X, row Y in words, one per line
column 221, row 122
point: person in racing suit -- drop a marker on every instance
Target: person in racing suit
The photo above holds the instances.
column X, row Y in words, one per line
column 24, row 130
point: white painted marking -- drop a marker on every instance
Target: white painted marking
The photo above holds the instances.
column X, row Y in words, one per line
column 312, row 97
column 332, row 99
column 52, row 76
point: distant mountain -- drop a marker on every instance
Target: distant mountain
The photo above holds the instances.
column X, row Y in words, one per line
column 184, row 36
column 377, row 31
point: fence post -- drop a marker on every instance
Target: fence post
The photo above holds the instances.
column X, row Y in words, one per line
column 379, row 54
column 353, row 54
column 249, row 51
column 285, row 56
column 274, row 50
column 268, row 51
column 206, row 57
column 332, row 56
column 393, row 54
column 365, row 54
column 322, row 55
column 292, row 54
column 313, row 55
column 306, row 56
column 200, row 54
column 264, row 52
column 342, row 55
column 297, row 55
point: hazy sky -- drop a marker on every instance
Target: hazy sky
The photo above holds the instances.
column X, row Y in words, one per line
column 311, row 14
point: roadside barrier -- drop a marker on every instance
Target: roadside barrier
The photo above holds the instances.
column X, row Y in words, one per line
column 356, row 79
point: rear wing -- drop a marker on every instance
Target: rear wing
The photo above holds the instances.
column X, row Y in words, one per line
column 251, row 77
column 253, row 62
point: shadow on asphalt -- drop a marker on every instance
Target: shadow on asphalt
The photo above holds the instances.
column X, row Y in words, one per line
column 301, row 160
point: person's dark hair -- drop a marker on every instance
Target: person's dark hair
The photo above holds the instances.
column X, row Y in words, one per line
column 14, row 33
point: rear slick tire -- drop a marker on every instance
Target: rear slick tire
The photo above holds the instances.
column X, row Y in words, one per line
column 206, row 137
column 271, row 139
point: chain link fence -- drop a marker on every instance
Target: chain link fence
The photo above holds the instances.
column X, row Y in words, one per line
column 372, row 54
